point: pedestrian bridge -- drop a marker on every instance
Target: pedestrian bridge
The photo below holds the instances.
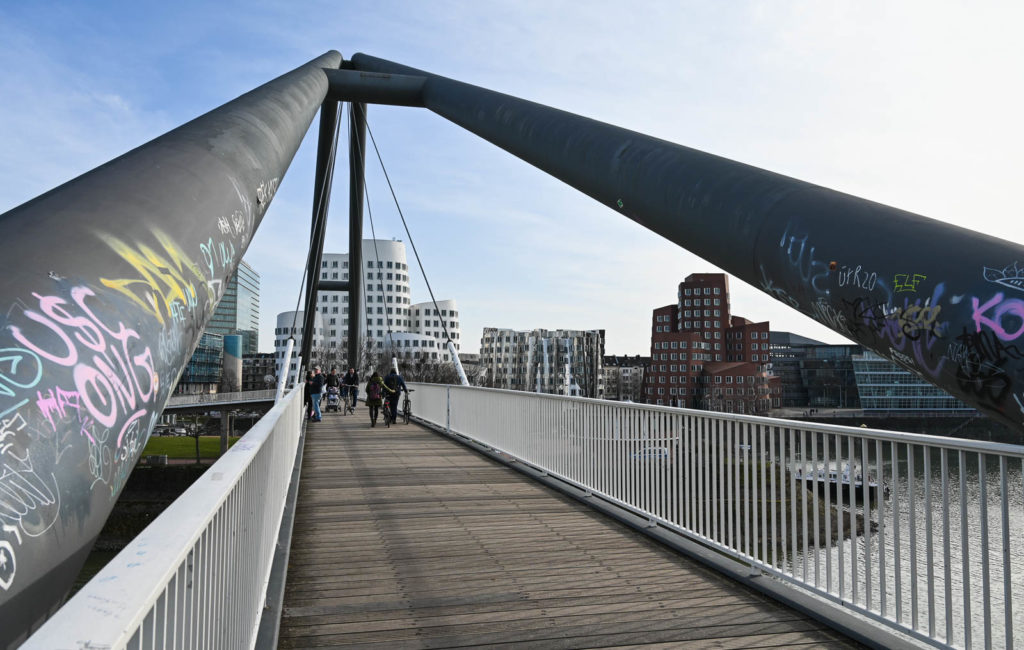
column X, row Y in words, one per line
column 214, row 400
column 624, row 525
column 909, row 533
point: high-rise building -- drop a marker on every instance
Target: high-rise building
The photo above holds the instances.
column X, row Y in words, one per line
column 238, row 311
column 559, row 362
column 702, row 356
column 389, row 319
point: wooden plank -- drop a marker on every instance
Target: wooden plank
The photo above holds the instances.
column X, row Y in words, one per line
column 406, row 539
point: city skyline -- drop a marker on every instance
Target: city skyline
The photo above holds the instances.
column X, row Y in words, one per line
column 907, row 106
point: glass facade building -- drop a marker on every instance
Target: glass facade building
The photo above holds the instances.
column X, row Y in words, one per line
column 238, row 311
column 203, row 372
column 886, row 387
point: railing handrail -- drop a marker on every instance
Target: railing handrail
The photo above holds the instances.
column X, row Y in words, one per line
column 164, row 589
column 873, row 434
column 215, row 398
column 935, row 553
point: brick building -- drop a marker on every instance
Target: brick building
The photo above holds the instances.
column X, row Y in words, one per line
column 704, row 357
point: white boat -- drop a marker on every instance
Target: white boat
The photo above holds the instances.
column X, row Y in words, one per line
column 848, row 481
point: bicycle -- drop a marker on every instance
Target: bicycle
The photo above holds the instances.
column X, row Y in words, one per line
column 349, row 401
column 407, row 406
column 385, row 412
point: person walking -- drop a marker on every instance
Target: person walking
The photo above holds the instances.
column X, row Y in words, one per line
column 396, row 384
column 306, row 395
column 351, row 381
column 375, row 390
column 316, row 387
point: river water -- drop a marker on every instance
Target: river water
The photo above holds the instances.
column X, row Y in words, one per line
column 918, row 573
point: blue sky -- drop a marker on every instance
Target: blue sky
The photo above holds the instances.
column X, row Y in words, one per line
column 913, row 104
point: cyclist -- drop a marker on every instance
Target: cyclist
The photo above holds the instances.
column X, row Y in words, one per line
column 375, row 391
column 396, row 384
column 351, row 382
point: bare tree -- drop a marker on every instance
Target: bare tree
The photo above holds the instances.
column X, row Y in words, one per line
column 195, row 425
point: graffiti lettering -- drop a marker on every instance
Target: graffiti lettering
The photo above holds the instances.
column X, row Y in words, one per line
column 852, row 276
column 801, row 256
column 56, row 401
column 901, row 358
column 114, row 379
column 265, row 191
column 7, row 430
column 218, row 256
column 8, row 565
column 19, row 369
column 904, row 282
column 24, row 496
column 164, row 278
column 825, row 313
column 769, row 287
column 1000, row 309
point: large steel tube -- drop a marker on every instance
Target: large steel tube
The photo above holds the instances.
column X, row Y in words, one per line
column 110, row 280
column 942, row 301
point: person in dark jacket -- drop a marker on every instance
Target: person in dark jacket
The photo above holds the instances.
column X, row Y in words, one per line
column 316, row 388
column 351, row 382
column 306, row 396
column 396, row 384
column 375, row 392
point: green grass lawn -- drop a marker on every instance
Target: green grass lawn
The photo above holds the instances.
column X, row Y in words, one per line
column 185, row 446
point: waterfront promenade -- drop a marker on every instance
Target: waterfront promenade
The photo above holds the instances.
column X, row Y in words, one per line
column 406, row 539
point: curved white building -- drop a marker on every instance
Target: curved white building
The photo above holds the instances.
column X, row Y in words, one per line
column 289, row 324
column 387, row 305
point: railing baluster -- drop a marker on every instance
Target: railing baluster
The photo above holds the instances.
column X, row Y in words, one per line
column 865, row 464
column 851, row 465
column 928, row 543
column 947, row 575
column 965, row 569
column 839, row 516
column 763, row 470
column 1004, row 500
column 772, row 496
column 827, row 463
column 912, row 503
column 986, row 578
column 883, row 582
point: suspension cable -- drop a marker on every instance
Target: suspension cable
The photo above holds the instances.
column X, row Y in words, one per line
column 437, row 311
column 376, row 253
column 320, row 214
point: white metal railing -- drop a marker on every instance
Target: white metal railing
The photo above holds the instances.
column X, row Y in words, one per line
column 197, row 576
column 913, row 531
column 218, row 398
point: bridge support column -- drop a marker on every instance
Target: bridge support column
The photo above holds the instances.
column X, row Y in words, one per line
column 356, row 171
column 325, row 157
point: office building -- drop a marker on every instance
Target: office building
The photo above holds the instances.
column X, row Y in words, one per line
column 815, row 374
column 886, row 388
column 702, row 356
column 624, row 377
column 289, row 325
column 558, row 362
column 389, row 318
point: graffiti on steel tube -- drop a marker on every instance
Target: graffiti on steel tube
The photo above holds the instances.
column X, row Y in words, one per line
column 84, row 368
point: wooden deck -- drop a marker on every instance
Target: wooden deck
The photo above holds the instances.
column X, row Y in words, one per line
column 405, row 539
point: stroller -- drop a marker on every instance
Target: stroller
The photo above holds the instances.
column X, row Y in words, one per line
column 333, row 399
